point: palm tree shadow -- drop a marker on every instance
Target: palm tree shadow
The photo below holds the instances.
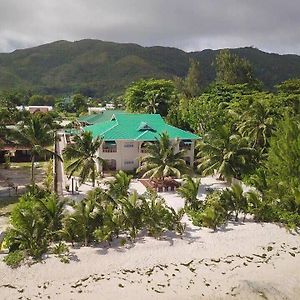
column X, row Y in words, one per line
column 116, row 245
column 187, row 236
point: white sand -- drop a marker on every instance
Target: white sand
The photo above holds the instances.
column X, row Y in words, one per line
column 233, row 262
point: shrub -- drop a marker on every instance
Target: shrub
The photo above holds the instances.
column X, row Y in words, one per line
column 213, row 213
column 14, row 259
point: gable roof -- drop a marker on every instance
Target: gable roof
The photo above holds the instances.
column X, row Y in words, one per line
column 99, row 117
column 137, row 127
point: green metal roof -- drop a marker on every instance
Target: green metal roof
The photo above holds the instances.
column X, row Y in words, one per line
column 100, row 117
column 128, row 127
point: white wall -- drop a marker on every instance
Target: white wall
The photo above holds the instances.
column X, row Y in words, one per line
column 127, row 158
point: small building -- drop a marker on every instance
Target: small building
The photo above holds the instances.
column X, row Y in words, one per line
column 125, row 137
column 95, row 110
column 36, row 108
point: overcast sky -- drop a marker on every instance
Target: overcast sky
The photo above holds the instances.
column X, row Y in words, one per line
column 270, row 25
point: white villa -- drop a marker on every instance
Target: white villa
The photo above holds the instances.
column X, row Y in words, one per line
column 125, row 136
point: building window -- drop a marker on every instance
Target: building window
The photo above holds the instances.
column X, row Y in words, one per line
column 128, row 145
column 109, row 146
column 128, row 162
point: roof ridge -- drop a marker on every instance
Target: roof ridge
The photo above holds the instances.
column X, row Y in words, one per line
column 107, row 130
column 177, row 128
column 144, row 132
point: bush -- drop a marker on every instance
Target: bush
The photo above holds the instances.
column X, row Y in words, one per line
column 14, row 259
column 213, row 213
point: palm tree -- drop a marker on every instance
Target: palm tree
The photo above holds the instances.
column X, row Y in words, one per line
column 162, row 160
column 132, row 210
column 82, row 223
column 189, row 191
column 257, row 123
column 52, row 210
column 118, row 188
column 84, row 151
column 153, row 99
column 235, row 200
column 230, row 155
column 38, row 136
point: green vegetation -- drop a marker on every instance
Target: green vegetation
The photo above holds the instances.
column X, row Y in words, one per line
column 161, row 160
column 150, row 96
column 189, row 191
column 83, row 153
column 249, row 134
column 40, row 219
column 37, row 134
column 104, row 69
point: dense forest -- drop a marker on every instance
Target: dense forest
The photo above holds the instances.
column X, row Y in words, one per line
column 104, row 69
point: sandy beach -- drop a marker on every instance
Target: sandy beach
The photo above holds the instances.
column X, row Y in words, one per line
column 242, row 260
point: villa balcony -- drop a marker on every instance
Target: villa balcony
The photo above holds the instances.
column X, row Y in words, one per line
column 109, row 147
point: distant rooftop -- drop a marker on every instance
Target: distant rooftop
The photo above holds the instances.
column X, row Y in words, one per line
column 99, row 117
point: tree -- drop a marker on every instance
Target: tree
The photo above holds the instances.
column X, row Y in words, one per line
column 79, row 103
column 235, row 200
column 189, row 191
column 38, row 136
column 289, row 92
column 84, row 152
column 162, row 160
column 150, row 96
column 52, row 210
column 283, row 165
column 192, row 85
column 232, row 69
column 132, row 210
column 257, row 123
column 118, row 188
column 228, row 154
column 81, row 224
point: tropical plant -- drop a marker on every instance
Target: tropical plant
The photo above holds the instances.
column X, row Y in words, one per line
column 118, row 188
column 235, row 200
column 29, row 230
column 232, row 69
column 212, row 215
column 38, row 135
column 111, row 226
column 52, row 210
column 132, row 210
column 84, row 153
column 189, row 191
column 156, row 215
column 80, row 225
column 162, row 160
column 149, row 96
column 257, row 123
column 228, row 154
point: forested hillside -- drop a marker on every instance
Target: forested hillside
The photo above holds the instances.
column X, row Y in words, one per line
column 97, row 68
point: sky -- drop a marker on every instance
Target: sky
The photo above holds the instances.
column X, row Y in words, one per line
column 191, row 25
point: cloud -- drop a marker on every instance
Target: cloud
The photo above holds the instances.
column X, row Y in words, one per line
column 271, row 25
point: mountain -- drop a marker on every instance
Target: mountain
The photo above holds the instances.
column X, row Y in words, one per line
column 104, row 69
